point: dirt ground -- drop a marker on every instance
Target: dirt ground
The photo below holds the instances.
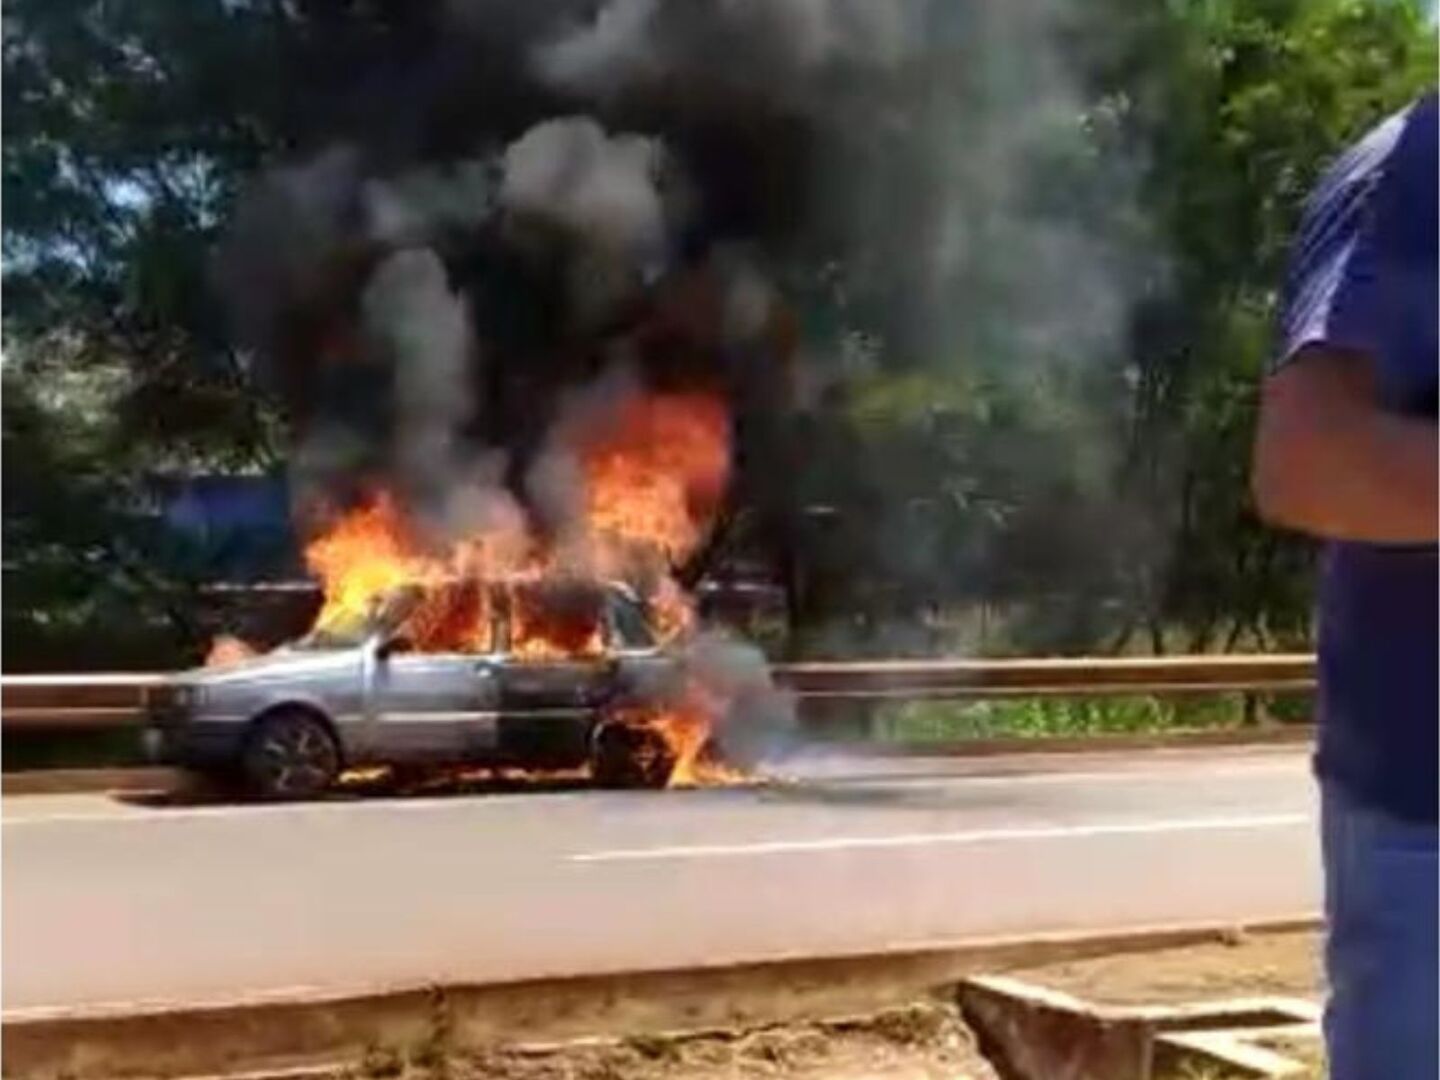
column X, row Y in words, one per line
column 1240, row 966
column 1309, row 1052
column 924, row 1040
column 920, row 1042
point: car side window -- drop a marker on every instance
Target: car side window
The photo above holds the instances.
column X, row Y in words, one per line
column 630, row 628
column 455, row 618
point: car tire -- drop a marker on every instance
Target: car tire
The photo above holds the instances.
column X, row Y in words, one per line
column 630, row 756
column 290, row 754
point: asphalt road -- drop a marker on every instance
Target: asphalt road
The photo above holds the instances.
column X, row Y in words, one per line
column 109, row 904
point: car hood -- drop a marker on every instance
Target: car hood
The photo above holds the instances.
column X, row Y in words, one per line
column 283, row 663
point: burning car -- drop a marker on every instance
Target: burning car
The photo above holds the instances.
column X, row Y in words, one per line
column 553, row 674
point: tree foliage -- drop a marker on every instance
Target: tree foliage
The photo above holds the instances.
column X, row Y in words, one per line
column 1066, row 507
column 1000, row 492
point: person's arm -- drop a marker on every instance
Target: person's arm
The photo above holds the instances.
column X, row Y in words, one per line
column 1334, row 457
column 1330, row 462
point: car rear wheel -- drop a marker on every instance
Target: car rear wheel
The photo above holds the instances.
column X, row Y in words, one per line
column 631, row 756
column 290, row 755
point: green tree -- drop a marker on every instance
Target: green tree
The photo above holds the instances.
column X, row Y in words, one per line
column 1255, row 97
column 971, row 469
column 998, row 492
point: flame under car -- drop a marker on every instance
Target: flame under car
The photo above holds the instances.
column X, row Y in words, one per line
column 553, row 676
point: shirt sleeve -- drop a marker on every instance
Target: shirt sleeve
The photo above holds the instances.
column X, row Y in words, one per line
column 1331, row 295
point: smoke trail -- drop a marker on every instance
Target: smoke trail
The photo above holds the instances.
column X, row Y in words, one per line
column 288, row 230
column 757, row 719
column 676, row 187
column 422, row 329
column 781, row 49
column 599, row 197
column 416, row 206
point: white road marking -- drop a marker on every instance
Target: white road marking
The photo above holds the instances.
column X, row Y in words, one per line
column 983, row 836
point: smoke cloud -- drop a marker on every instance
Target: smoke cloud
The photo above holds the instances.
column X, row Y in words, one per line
column 413, row 206
column 757, row 721
column 598, row 199
column 413, row 320
column 661, row 193
column 776, row 48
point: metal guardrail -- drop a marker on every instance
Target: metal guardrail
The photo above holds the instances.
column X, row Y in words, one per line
column 1070, row 677
column 39, row 703
column 90, row 702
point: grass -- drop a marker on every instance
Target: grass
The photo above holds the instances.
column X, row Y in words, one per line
column 933, row 721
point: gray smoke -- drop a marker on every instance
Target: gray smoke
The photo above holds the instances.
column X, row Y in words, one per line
column 287, row 229
column 415, row 206
column 1041, row 229
column 422, row 329
column 601, row 189
column 777, row 48
column 600, row 197
column 555, row 482
column 990, row 243
column 757, row 723
column 323, row 457
column 479, row 505
column 916, row 182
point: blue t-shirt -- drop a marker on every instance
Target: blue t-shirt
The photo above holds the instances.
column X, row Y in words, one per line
column 1363, row 277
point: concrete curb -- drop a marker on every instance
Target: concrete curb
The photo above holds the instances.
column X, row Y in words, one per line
column 1232, row 1049
column 270, row 1034
column 140, row 779
column 78, row 781
column 1035, row 1033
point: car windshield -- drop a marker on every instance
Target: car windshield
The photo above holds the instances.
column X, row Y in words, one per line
column 349, row 627
column 447, row 617
column 550, row 617
column 343, row 632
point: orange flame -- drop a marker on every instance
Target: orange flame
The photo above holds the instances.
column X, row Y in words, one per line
column 544, row 627
column 685, row 727
column 226, row 650
column 654, row 471
column 367, row 553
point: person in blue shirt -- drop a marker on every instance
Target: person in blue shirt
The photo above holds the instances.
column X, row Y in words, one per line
column 1346, row 451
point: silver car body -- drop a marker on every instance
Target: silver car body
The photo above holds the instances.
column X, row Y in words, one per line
column 386, row 707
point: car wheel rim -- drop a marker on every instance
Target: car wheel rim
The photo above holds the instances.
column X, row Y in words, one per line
column 634, row 755
column 296, row 758
column 650, row 753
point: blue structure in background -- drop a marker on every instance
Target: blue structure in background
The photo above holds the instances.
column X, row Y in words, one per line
column 240, row 526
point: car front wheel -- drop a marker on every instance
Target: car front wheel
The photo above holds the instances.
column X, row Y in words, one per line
column 631, row 756
column 290, row 755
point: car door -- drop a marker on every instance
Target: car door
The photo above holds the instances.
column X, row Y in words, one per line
column 547, row 702
column 548, row 708
column 645, row 672
column 558, row 686
column 434, row 706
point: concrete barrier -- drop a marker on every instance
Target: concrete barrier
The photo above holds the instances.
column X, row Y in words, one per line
column 1034, row 1033
column 300, row 1029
